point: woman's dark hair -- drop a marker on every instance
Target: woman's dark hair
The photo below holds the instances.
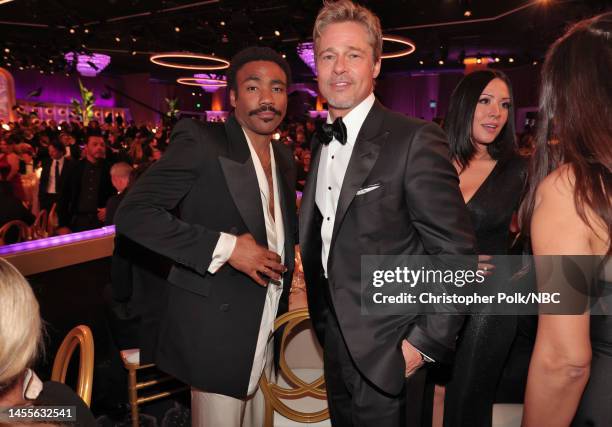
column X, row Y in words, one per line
column 458, row 121
column 576, row 107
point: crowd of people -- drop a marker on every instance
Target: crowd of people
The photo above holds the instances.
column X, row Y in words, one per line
column 383, row 183
column 82, row 170
column 67, row 167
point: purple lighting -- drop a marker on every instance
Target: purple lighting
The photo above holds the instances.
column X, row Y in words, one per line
column 211, row 82
column 88, row 65
column 51, row 242
column 306, row 52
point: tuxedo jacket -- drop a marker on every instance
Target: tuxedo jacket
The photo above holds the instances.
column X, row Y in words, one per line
column 210, row 323
column 46, row 172
column 416, row 209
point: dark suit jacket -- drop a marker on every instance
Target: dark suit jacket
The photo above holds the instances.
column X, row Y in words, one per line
column 46, row 171
column 418, row 209
column 210, row 323
column 71, row 191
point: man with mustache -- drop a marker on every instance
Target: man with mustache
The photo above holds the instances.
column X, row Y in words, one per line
column 232, row 242
column 380, row 183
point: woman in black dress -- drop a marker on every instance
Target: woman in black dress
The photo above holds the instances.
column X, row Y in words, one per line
column 480, row 128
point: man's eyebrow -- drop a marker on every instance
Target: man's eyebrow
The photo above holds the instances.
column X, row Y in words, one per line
column 252, row 77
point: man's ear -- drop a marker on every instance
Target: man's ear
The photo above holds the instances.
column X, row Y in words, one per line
column 233, row 97
column 376, row 70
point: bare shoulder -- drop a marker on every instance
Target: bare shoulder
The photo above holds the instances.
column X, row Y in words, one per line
column 557, row 228
column 558, row 185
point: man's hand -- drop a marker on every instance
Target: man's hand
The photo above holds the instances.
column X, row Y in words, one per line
column 252, row 259
column 484, row 264
column 412, row 358
column 102, row 214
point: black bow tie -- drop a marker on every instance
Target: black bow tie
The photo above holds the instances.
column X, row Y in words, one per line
column 337, row 130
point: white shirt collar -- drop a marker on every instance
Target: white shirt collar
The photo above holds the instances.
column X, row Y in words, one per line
column 355, row 118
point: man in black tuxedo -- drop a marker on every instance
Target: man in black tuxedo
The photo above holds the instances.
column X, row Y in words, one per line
column 55, row 168
column 232, row 241
column 380, row 183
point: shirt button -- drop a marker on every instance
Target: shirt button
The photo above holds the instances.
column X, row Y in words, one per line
column 329, row 188
column 333, row 157
column 328, row 218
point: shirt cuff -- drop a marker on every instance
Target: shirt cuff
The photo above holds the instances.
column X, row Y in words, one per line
column 426, row 358
column 223, row 251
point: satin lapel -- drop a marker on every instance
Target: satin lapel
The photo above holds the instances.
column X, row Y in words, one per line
column 241, row 180
column 370, row 139
column 307, row 205
column 282, row 178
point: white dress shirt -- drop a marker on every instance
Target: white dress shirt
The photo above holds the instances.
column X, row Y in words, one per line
column 275, row 234
column 52, row 178
column 332, row 168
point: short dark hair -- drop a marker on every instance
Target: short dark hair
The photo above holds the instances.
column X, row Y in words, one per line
column 92, row 134
column 251, row 54
column 55, row 143
column 458, row 121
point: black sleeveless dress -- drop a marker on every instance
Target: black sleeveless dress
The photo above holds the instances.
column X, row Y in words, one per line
column 485, row 340
column 595, row 409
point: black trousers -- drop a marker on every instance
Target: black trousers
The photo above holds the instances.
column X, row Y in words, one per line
column 354, row 401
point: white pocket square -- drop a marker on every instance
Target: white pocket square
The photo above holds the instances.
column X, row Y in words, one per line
column 367, row 189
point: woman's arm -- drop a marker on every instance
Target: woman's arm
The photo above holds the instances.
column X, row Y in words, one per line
column 560, row 364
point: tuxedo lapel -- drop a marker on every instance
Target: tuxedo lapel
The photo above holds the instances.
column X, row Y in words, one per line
column 241, row 180
column 370, row 139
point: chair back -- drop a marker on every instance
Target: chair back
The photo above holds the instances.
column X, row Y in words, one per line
column 52, row 220
column 299, row 388
column 82, row 337
column 23, row 231
column 38, row 230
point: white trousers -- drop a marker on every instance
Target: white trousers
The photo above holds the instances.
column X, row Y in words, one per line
column 218, row 410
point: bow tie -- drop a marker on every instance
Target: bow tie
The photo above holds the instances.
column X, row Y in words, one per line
column 337, row 130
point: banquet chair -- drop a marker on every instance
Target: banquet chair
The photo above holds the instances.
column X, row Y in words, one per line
column 23, row 231
column 306, row 392
column 82, row 337
column 52, row 220
column 39, row 229
column 131, row 361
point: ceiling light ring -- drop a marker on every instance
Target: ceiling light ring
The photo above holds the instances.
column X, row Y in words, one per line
column 411, row 47
column 193, row 81
column 162, row 60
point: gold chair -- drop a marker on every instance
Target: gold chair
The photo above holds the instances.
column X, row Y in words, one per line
column 131, row 361
column 22, row 228
column 298, row 388
column 39, row 229
column 52, row 220
column 82, row 337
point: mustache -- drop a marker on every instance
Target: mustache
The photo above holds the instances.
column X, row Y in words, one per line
column 264, row 109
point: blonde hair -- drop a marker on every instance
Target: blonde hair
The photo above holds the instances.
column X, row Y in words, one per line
column 20, row 324
column 334, row 12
